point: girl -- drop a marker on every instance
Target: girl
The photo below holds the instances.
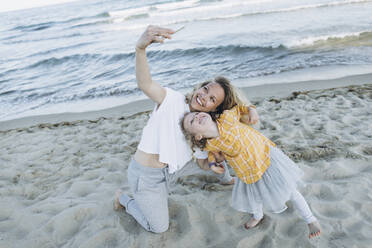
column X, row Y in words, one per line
column 266, row 176
column 163, row 151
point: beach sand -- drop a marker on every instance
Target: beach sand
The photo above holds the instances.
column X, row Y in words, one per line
column 59, row 174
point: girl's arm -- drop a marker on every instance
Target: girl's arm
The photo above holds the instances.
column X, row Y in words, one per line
column 153, row 34
column 212, row 164
column 249, row 114
column 218, row 157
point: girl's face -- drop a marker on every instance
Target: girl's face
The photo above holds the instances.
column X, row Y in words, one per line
column 207, row 98
column 198, row 123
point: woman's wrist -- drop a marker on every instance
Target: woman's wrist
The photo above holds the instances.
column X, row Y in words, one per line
column 139, row 49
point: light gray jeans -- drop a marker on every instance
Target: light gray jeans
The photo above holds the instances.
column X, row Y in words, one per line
column 150, row 188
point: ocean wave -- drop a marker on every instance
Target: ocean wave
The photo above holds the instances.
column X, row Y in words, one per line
column 320, row 42
column 88, row 24
column 182, row 13
column 43, row 39
column 128, row 13
column 8, row 38
column 46, row 25
column 8, row 92
column 363, row 38
column 59, row 49
column 158, row 54
column 228, row 49
column 310, row 6
column 138, row 16
column 34, row 27
column 101, row 92
column 76, row 58
column 283, row 10
column 80, row 58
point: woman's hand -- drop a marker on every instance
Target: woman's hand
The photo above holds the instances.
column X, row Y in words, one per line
column 153, row 34
column 251, row 118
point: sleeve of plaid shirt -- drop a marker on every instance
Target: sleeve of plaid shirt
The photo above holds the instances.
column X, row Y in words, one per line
column 243, row 109
column 227, row 141
column 211, row 157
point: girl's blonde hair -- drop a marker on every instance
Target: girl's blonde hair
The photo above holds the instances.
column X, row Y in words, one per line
column 233, row 96
column 190, row 138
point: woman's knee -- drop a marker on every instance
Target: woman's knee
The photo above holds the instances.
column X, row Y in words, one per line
column 160, row 227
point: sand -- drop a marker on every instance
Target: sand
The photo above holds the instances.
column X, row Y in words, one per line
column 59, row 174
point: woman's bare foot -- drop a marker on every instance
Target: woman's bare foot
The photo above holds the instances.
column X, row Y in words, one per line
column 252, row 223
column 117, row 205
column 314, row 229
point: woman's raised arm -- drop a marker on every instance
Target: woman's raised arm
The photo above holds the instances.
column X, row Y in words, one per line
column 152, row 34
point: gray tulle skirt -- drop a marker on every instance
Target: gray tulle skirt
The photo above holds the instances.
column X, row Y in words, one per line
column 273, row 190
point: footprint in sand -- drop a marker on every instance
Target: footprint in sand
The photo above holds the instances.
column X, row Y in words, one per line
column 333, row 211
column 66, row 224
column 105, row 238
column 366, row 211
column 326, row 193
column 128, row 223
column 260, row 239
column 291, row 229
column 179, row 219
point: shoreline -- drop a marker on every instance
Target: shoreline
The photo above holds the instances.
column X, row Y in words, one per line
column 253, row 93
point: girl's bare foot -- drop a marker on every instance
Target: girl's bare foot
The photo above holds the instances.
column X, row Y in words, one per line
column 117, row 205
column 314, row 229
column 252, row 223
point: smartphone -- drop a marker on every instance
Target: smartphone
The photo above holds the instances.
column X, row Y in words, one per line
column 179, row 29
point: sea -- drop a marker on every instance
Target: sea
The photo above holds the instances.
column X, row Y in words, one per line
column 79, row 56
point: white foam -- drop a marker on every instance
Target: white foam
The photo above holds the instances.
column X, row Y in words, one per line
column 307, row 74
column 176, row 5
column 122, row 14
column 310, row 41
column 192, row 11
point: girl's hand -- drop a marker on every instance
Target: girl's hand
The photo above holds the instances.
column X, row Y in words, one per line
column 251, row 118
column 217, row 169
column 153, row 34
column 253, row 115
column 219, row 157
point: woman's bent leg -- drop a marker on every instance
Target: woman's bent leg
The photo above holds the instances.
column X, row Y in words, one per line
column 149, row 210
column 149, row 205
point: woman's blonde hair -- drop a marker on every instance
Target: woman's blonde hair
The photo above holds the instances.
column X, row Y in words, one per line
column 233, row 96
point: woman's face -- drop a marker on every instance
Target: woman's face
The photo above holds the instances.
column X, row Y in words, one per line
column 207, row 98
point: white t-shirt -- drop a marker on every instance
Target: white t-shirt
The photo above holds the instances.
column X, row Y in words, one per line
column 163, row 135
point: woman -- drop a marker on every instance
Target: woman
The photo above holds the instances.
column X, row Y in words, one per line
column 163, row 150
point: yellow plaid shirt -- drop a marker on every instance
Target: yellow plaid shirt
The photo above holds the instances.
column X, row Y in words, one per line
column 246, row 150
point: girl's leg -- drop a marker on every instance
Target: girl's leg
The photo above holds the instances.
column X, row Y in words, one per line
column 304, row 211
column 256, row 218
column 302, row 207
